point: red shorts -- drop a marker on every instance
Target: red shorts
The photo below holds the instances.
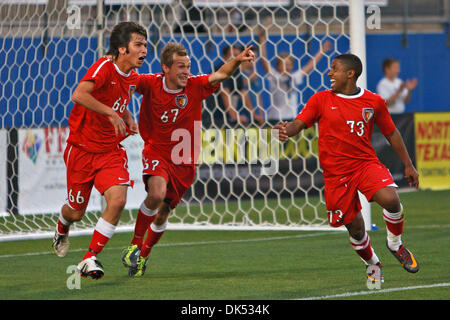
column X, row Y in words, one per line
column 179, row 178
column 85, row 170
column 341, row 192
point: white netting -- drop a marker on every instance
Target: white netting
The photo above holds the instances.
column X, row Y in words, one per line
column 47, row 46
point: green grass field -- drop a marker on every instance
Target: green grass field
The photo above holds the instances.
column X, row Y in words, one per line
column 246, row 265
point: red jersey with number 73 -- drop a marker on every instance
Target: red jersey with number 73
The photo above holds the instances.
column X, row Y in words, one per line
column 169, row 119
column 89, row 130
column 345, row 128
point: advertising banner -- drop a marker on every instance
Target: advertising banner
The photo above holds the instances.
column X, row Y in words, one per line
column 42, row 172
column 433, row 149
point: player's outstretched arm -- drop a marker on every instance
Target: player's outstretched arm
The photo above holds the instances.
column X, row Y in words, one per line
column 289, row 129
column 229, row 68
column 82, row 95
column 396, row 141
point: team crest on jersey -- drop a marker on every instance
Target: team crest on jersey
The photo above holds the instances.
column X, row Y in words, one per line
column 181, row 100
column 367, row 114
column 131, row 90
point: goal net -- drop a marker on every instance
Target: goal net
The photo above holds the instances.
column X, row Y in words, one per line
column 46, row 47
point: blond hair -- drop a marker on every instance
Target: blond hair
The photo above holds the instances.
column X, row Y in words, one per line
column 169, row 50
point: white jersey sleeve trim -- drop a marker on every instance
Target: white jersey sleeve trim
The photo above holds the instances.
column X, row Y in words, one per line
column 99, row 67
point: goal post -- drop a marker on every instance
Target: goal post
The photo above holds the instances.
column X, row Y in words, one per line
column 358, row 47
column 48, row 45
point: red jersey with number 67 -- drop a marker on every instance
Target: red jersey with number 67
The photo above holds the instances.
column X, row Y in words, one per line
column 89, row 130
column 345, row 128
column 171, row 119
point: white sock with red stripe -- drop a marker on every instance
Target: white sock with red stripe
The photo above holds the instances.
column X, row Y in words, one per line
column 394, row 226
column 154, row 234
column 364, row 249
column 144, row 218
column 62, row 225
column 102, row 233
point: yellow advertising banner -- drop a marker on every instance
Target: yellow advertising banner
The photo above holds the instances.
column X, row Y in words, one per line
column 432, row 131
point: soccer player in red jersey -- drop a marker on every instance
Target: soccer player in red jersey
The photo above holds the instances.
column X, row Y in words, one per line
column 99, row 121
column 346, row 115
column 170, row 125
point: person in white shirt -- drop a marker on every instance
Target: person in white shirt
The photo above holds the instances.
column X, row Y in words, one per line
column 283, row 82
column 393, row 90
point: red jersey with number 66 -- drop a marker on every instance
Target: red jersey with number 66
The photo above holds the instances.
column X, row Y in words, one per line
column 345, row 128
column 89, row 130
column 170, row 120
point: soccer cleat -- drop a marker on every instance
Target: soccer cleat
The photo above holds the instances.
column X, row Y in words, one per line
column 374, row 273
column 139, row 270
column 60, row 244
column 406, row 258
column 91, row 267
column 131, row 256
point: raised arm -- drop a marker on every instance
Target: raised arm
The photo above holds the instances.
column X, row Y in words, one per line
column 396, row 141
column 82, row 95
column 229, row 68
column 327, row 46
column 262, row 42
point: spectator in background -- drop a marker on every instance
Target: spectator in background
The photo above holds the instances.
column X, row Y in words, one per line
column 283, row 81
column 253, row 86
column 233, row 96
column 395, row 91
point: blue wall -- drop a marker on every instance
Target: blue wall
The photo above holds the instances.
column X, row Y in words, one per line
column 426, row 58
column 36, row 88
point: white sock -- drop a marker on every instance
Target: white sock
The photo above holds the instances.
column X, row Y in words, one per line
column 160, row 228
column 64, row 221
column 105, row 228
column 374, row 259
column 147, row 211
column 363, row 244
column 394, row 242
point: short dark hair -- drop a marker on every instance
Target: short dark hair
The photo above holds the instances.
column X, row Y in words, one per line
column 121, row 36
column 387, row 63
column 352, row 62
column 169, row 50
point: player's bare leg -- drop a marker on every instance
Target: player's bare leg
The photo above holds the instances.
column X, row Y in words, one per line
column 115, row 197
column 360, row 241
column 156, row 192
column 61, row 239
column 393, row 216
column 155, row 232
